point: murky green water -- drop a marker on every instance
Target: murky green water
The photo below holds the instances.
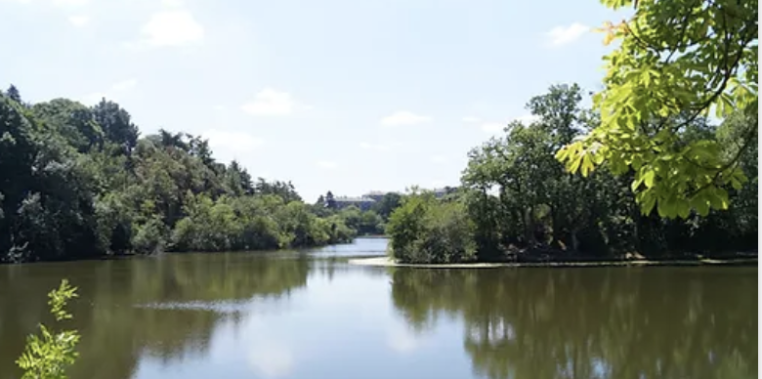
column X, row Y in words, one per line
column 303, row 316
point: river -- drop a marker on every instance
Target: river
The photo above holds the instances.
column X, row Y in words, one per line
column 312, row 315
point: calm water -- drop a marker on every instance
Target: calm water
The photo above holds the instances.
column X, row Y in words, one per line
column 303, row 316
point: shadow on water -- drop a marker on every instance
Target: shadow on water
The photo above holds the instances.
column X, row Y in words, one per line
column 593, row 323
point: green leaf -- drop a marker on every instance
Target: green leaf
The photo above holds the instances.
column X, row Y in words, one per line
column 587, row 165
column 636, row 183
column 662, row 209
column 648, row 178
column 736, row 183
column 561, row 154
column 574, row 164
column 683, row 209
column 648, row 205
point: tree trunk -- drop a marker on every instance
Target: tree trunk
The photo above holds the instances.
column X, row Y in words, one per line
column 575, row 240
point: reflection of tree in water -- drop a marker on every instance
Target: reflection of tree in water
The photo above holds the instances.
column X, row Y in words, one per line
column 163, row 307
column 594, row 323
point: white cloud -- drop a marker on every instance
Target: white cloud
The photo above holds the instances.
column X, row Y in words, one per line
column 79, row 20
column 438, row 158
column 172, row 3
column 375, row 147
column 219, row 107
column 111, row 94
column 124, row 85
column 92, row 98
column 471, row 119
column 437, row 184
column 403, row 342
column 328, row 165
column 231, row 140
column 562, row 35
column 272, row 361
column 404, row 118
column 70, row 3
column 493, row 127
column 172, row 28
column 497, row 127
column 270, row 102
column 527, row 119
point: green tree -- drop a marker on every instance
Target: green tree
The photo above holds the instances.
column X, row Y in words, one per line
column 426, row 230
column 13, row 94
column 388, row 203
column 73, row 120
column 676, row 61
column 116, row 124
column 78, row 182
column 526, row 206
column 330, row 202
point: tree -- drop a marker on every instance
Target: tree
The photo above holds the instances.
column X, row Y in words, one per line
column 116, row 124
column 73, row 120
column 677, row 61
column 330, row 202
column 526, row 206
column 539, row 202
column 425, row 230
column 71, row 189
column 13, row 94
column 285, row 190
column 238, row 179
column 387, row 204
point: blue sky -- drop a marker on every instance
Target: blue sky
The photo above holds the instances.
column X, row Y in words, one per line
column 340, row 95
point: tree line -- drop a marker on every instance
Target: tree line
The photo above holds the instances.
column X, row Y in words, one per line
column 657, row 175
column 366, row 222
column 517, row 201
column 81, row 182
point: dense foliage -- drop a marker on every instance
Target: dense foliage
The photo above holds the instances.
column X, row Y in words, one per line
column 368, row 222
column 517, row 201
column 677, row 61
column 80, row 182
column 425, row 229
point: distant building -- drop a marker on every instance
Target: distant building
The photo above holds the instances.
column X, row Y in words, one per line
column 362, row 202
column 376, row 195
column 441, row 192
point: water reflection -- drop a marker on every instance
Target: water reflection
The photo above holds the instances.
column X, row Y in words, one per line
column 306, row 316
column 162, row 308
column 593, row 323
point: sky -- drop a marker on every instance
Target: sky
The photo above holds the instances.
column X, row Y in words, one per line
column 341, row 95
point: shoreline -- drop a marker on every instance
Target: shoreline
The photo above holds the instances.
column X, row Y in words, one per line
column 389, row 262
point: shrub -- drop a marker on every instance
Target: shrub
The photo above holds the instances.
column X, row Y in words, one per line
column 426, row 230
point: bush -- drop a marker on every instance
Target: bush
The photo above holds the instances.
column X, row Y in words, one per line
column 426, row 230
column 149, row 238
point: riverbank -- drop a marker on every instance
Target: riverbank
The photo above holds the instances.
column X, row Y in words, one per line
column 389, row 262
